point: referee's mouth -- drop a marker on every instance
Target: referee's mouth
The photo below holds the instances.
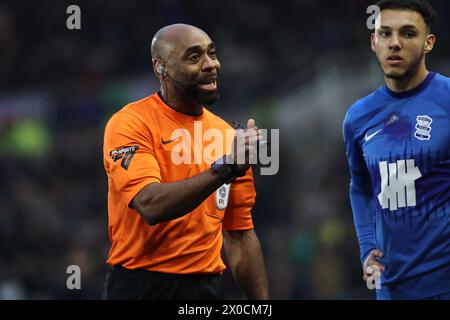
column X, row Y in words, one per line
column 208, row 85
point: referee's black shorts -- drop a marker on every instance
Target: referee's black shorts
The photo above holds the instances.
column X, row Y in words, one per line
column 126, row 284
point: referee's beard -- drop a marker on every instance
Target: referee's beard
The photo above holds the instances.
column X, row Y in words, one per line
column 194, row 93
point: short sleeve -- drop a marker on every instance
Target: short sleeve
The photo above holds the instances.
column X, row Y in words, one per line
column 128, row 156
column 238, row 214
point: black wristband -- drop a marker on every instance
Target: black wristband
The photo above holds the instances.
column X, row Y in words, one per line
column 228, row 172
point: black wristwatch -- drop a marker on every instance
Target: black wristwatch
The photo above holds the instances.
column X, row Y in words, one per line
column 227, row 171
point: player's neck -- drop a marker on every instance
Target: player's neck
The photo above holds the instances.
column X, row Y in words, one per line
column 407, row 83
column 181, row 104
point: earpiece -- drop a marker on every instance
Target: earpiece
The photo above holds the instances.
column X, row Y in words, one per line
column 161, row 71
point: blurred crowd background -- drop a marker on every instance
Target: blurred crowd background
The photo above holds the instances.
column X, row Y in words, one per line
column 292, row 65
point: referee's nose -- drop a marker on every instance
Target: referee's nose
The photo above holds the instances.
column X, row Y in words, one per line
column 210, row 64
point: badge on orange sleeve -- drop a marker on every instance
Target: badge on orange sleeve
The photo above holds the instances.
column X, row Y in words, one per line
column 222, row 195
column 125, row 153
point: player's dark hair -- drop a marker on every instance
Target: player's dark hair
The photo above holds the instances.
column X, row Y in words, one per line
column 420, row 6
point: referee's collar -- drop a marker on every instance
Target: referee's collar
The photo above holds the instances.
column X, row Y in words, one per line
column 178, row 114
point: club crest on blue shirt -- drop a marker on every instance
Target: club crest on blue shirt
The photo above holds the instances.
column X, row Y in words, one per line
column 423, row 127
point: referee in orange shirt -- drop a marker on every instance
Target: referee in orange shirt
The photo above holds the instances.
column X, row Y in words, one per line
column 167, row 221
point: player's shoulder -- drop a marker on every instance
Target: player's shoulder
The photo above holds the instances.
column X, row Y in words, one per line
column 439, row 91
column 363, row 106
column 442, row 78
column 442, row 81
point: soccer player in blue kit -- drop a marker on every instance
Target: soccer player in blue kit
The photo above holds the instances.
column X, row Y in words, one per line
column 397, row 143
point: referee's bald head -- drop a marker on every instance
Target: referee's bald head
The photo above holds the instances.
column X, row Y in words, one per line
column 167, row 39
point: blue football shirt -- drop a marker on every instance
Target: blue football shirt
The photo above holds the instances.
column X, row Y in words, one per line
column 398, row 150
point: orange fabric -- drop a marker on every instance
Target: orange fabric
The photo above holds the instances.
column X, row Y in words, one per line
column 135, row 156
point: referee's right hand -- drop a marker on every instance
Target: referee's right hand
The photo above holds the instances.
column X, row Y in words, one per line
column 371, row 264
column 245, row 146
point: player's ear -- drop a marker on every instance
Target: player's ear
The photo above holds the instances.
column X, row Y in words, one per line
column 429, row 43
column 372, row 42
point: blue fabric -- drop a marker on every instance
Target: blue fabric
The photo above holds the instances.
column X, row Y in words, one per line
column 387, row 133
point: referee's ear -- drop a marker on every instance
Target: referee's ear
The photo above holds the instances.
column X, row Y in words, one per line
column 156, row 64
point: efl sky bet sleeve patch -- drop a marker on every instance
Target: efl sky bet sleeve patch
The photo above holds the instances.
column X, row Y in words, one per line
column 125, row 153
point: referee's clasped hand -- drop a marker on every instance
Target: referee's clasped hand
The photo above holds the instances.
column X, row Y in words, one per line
column 245, row 146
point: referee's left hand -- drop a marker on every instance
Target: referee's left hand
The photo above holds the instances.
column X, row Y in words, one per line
column 245, row 146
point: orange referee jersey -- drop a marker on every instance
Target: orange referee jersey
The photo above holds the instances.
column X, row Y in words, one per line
column 138, row 150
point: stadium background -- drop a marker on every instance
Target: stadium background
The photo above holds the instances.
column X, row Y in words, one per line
column 292, row 65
